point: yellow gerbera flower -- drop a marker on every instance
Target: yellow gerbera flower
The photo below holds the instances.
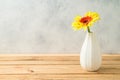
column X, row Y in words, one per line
column 85, row 21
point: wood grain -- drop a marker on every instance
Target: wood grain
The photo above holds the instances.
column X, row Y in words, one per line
column 55, row 67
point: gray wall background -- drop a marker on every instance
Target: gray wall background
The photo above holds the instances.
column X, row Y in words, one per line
column 44, row 26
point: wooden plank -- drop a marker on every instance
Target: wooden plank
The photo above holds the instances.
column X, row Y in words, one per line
column 55, row 69
column 44, row 62
column 63, row 57
column 60, row 77
column 39, row 62
column 36, row 58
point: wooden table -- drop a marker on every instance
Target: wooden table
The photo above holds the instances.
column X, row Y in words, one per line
column 55, row 67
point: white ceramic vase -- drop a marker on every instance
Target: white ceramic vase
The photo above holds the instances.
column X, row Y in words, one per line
column 90, row 55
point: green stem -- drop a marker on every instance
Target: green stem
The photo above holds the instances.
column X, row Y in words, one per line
column 88, row 28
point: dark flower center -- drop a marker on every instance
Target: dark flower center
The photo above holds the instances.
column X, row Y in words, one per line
column 85, row 20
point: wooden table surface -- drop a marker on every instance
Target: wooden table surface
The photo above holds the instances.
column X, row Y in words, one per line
column 55, row 67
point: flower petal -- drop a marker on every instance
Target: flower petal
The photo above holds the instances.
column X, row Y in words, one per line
column 77, row 18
